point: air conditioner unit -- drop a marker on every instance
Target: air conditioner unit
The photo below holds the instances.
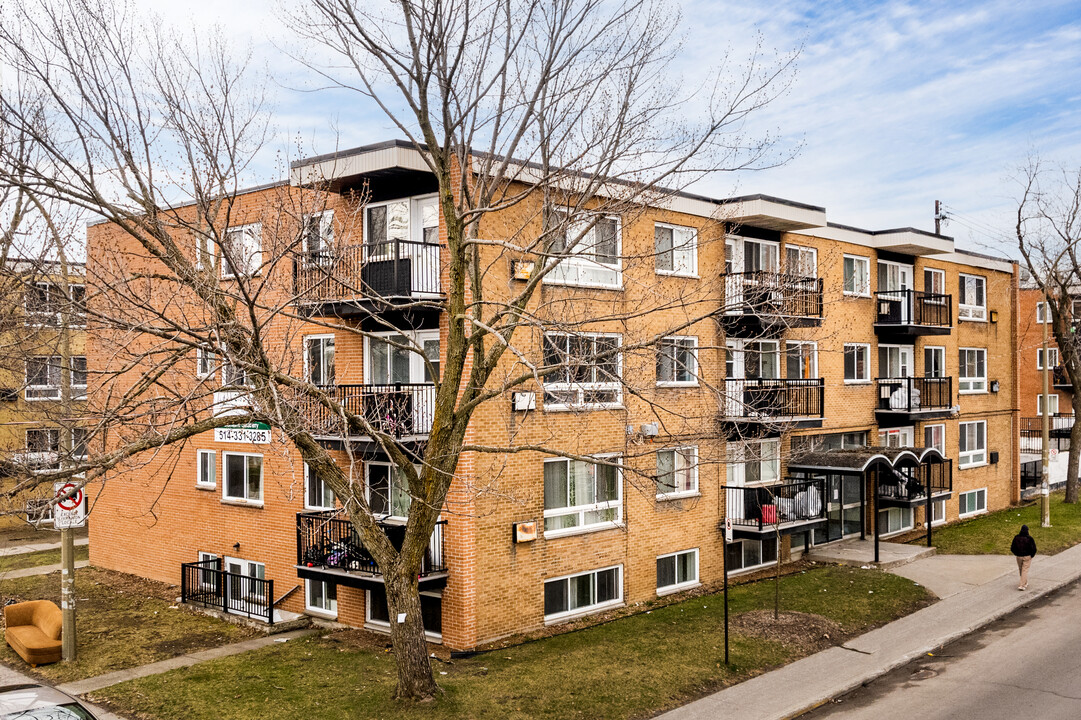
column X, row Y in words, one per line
column 523, row 401
column 650, row 430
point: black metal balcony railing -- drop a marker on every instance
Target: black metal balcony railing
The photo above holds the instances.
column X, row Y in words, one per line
column 329, row 540
column 900, row 485
column 400, row 409
column 766, row 506
column 773, row 398
column 393, row 269
column 205, row 583
column 915, row 394
column 1059, row 428
column 912, row 307
column 770, row 293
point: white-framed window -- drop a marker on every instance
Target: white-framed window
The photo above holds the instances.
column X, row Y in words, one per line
column 972, row 443
column 321, row 597
column 79, row 448
column 677, row 571
column 43, row 448
column 317, row 237
column 895, row 361
column 934, row 282
column 43, row 377
column 894, row 520
column 972, row 502
column 972, row 300
column 752, row 462
column 582, row 594
column 587, row 252
column 897, row 437
column 243, row 477
column 972, row 370
column 1052, row 404
column 801, row 261
column 857, row 276
column 206, row 363
column 934, row 436
column 857, row 363
column 317, row 494
column 78, row 377
column 938, row 512
column 1041, row 313
column 934, row 361
column 581, row 495
column 749, row 554
column 388, row 490
column 45, row 304
column 206, row 468
column 589, row 373
column 246, row 579
column 207, row 577
column 801, row 359
column 411, row 219
column 676, row 249
column 234, row 375
column 242, row 251
column 677, row 472
column 377, row 616
column 319, row 359
column 677, row 361
column 1052, row 355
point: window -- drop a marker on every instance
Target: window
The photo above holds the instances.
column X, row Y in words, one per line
column 972, row 363
column 206, row 468
column 242, row 251
column 78, row 443
column 584, row 593
column 1052, row 404
column 759, row 359
column 321, row 597
column 206, row 363
column 938, row 512
column 972, row 302
column 895, row 520
column 801, row 360
column 233, row 375
column 934, row 361
column 581, row 494
column 895, row 361
column 677, row 472
column 857, row 276
column 972, row 502
column 749, row 554
column 857, row 364
column 78, row 378
column 934, row 436
column 247, row 581
column 934, row 282
column 45, row 304
column 972, row 442
column 676, row 249
column 405, row 220
column 828, row 441
column 677, row 571
column 243, row 477
column 43, row 377
column 588, row 373
column 897, row 437
column 753, row 461
column 317, row 494
column 587, row 252
column 801, row 261
column 319, row 359
column 1041, row 313
column 378, row 617
column 318, row 237
column 677, row 361
column 1052, row 355
column 207, row 578
column 43, row 448
column 388, row 490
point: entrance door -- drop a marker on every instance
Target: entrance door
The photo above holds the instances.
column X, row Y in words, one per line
column 896, row 278
column 843, row 508
column 424, row 250
column 247, row 594
column 895, row 361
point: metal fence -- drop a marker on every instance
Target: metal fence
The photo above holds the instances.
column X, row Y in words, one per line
column 326, row 539
column 913, row 394
column 1059, row 433
column 911, row 487
column 773, row 398
column 769, row 293
column 912, row 307
column 205, row 583
column 393, row 269
column 400, row 409
column 765, row 506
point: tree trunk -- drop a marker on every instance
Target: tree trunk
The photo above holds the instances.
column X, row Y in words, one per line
column 1072, row 463
column 415, row 679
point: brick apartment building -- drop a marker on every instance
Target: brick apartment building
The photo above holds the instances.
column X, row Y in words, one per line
column 818, row 342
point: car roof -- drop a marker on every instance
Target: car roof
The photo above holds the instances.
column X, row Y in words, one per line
column 27, row 696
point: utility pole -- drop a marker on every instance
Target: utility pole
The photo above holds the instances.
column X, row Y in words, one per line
column 1045, row 455
column 68, row 645
column 938, row 217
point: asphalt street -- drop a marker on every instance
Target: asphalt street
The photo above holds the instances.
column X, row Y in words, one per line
column 1023, row 666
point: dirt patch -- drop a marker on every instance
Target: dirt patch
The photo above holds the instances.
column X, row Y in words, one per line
column 357, row 639
column 803, row 632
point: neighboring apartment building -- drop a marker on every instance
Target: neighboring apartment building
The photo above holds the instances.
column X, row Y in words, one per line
column 754, row 416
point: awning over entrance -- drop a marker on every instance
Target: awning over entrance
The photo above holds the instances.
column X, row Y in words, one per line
column 856, row 461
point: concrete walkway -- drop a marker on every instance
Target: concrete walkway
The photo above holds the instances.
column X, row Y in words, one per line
column 38, row 547
column 39, row 570
column 861, row 553
column 976, row 591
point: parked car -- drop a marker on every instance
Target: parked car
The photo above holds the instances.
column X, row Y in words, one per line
column 40, row 702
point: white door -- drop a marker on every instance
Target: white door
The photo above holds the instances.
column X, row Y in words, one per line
column 244, row 588
column 733, row 283
column 895, row 361
column 896, row 278
column 735, row 372
column 424, row 251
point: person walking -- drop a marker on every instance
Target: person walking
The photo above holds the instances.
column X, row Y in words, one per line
column 1024, row 549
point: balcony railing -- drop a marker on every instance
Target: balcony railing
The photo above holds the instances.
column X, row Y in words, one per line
column 205, row 583
column 763, row 507
column 393, row 269
column 768, row 293
column 1059, row 427
column 329, row 540
column 400, row 409
column 913, row 487
column 773, row 398
column 912, row 307
column 915, row 394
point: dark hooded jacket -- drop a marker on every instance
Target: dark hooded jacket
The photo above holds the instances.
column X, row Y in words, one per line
column 1023, row 545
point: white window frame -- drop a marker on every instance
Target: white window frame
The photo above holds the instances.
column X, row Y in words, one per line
column 940, row 351
column 865, row 290
column 685, row 584
column 246, row 499
column 586, row 609
column 326, row 237
column 51, row 391
column 248, row 565
column 906, row 436
column 941, row 430
column 200, row 477
column 573, row 262
column 206, row 580
column 580, row 389
column 866, row 347
column 801, row 344
column 969, row 457
column 680, row 467
column 1052, row 354
column 739, row 456
column 307, row 491
column 254, row 232
column 941, row 289
column 903, row 528
column 391, row 468
column 938, row 510
column 692, row 367
column 971, row 385
column 978, row 492
column 318, row 338
column 750, row 568
column 1051, row 406
column 78, row 390
column 48, row 459
column 1041, row 313
column 684, row 252
column 414, row 232
column 328, row 612
column 206, row 363
column 801, row 250
column 970, row 311
column 582, row 510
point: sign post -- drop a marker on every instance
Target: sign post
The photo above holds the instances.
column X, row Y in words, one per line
column 68, row 513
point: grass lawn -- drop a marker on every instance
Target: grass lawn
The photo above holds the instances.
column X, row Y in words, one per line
column 630, row 667
column 992, row 533
column 37, row 559
column 121, row 621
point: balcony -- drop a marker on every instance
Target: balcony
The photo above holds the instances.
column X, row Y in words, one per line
column 205, row 583
column 370, row 278
column 763, row 509
column 758, row 301
column 908, row 313
column 329, row 548
column 902, row 401
column 909, row 487
column 792, row 403
column 1059, row 378
column 401, row 410
column 1059, row 429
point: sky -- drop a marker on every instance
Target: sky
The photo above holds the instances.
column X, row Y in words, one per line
column 895, row 104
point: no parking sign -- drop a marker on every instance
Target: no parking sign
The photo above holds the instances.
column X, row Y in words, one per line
column 69, row 512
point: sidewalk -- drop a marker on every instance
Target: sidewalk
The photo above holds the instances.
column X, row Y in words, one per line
column 975, row 591
column 39, row 570
column 38, row 547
